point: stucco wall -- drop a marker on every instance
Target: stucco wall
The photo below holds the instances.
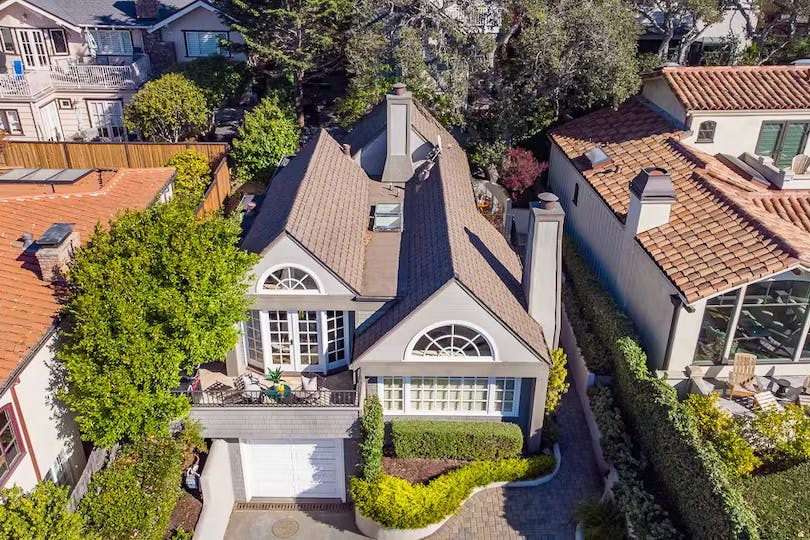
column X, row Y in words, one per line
column 738, row 132
column 218, row 493
column 658, row 92
column 199, row 19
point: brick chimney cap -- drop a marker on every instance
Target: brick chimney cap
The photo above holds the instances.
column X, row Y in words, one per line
column 55, row 235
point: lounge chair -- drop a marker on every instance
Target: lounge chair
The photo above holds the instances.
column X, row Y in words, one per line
column 310, row 390
column 250, row 387
column 766, row 401
column 742, row 380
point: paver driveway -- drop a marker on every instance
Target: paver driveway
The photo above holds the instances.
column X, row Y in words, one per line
column 539, row 513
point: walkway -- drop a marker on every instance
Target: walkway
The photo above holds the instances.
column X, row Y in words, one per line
column 539, row 513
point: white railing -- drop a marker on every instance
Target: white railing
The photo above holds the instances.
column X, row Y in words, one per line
column 76, row 76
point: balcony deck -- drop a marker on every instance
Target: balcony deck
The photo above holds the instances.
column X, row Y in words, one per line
column 75, row 77
column 219, row 390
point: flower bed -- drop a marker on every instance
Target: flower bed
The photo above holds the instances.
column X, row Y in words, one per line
column 419, row 470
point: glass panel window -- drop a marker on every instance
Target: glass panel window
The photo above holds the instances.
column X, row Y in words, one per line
column 108, row 118
column 715, row 327
column 290, row 279
column 706, row 132
column 335, row 337
column 280, row 342
column 504, row 398
column 253, row 339
column 792, row 143
column 7, row 38
column 769, row 136
column 308, row 337
column 782, row 141
column 475, row 396
column 392, row 393
column 452, row 340
column 205, row 43
column 59, row 41
column 10, row 449
column 111, row 42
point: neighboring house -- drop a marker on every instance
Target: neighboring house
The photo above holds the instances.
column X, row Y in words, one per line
column 70, row 66
column 692, row 203
column 44, row 215
column 378, row 273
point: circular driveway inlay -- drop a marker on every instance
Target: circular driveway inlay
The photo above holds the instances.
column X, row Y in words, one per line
column 285, row 528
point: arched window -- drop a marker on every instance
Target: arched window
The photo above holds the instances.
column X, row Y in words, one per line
column 290, row 278
column 452, row 340
column 706, row 131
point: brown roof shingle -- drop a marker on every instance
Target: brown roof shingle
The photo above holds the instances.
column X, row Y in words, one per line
column 723, row 230
column 28, row 305
column 725, row 88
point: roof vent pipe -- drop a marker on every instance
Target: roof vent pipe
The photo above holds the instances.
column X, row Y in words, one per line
column 27, row 239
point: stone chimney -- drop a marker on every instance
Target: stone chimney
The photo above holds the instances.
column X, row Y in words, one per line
column 398, row 164
column 651, row 198
column 146, row 9
column 542, row 269
column 55, row 248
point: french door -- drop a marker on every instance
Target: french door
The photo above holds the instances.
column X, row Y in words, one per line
column 108, row 118
column 51, row 125
column 32, row 48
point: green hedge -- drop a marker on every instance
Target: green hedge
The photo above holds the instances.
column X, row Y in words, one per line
column 396, row 503
column 691, row 474
column 456, row 440
column 372, row 437
column 780, row 502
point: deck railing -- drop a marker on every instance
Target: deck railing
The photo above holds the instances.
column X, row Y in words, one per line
column 79, row 76
column 259, row 398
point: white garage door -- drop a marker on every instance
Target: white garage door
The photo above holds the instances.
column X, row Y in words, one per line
column 295, row 468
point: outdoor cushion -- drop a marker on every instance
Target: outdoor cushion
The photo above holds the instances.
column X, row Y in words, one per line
column 309, row 384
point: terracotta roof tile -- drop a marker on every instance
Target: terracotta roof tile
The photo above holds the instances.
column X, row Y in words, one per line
column 28, row 305
column 739, row 87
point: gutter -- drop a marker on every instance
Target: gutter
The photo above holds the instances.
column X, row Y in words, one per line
column 677, row 304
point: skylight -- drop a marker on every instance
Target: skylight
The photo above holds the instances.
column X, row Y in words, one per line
column 387, row 217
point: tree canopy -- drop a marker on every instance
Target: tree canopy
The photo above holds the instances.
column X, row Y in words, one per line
column 41, row 513
column 157, row 293
column 168, row 109
column 667, row 16
column 267, row 134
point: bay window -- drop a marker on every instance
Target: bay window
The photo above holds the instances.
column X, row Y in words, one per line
column 463, row 396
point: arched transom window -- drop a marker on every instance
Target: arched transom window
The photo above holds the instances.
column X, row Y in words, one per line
column 290, row 278
column 452, row 340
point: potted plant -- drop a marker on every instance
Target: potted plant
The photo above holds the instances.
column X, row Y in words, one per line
column 279, row 387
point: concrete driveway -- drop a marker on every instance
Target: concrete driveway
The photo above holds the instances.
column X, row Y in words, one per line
column 295, row 524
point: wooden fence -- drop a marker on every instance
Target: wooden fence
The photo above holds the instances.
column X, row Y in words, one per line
column 97, row 460
column 218, row 190
column 82, row 155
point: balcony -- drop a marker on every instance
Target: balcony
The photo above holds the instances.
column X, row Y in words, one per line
column 216, row 389
column 75, row 77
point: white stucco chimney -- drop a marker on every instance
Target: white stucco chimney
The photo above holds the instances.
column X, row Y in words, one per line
column 55, row 248
column 651, row 198
column 542, row 270
column 398, row 164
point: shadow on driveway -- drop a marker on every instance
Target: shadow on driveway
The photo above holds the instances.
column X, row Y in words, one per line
column 296, row 524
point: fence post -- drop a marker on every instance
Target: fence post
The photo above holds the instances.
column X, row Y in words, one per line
column 126, row 153
column 66, row 155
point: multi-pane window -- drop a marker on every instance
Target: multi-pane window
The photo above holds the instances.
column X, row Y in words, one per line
column 335, row 346
column 300, row 340
column 107, row 117
column 205, row 43
column 290, row 279
column 111, row 42
column 452, row 340
column 782, row 141
column 10, row 447
column 475, row 396
column 715, row 327
column 706, row 131
column 253, row 339
column 10, row 122
column 58, row 41
column 280, row 338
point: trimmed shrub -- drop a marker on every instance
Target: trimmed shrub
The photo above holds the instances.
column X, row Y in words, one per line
column 689, row 471
column 40, row 513
column 444, row 439
column 780, row 502
column 601, row 520
column 193, row 174
column 557, row 385
column 719, row 428
column 372, row 437
column 782, row 437
column 168, row 109
column 396, row 503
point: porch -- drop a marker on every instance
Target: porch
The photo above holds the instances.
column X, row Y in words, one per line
column 73, row 76
column 214, row 388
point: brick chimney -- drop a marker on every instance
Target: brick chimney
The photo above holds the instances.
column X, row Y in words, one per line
column 146, row 9
column 398, row 164
column 55, row 248
column 651, row 198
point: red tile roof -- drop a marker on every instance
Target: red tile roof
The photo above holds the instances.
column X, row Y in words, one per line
column 724, row 230
column 726, row 88
column 28, row 305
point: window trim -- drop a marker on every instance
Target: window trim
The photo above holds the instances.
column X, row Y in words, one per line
column 53, row 47
column 15, row 428
column 219, row 49
column 701, row 128
column 406, row 392
column 4, row 119
column 410, row 357
column 266, row 274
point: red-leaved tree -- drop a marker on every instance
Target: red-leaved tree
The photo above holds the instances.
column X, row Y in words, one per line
column 519, row 170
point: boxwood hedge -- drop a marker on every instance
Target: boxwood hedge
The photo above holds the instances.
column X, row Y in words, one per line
column 780, row 502
column 691, row 474
column 455, row 440
column 396, row 503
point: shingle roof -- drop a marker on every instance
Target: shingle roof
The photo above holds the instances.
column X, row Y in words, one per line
column 725, row 88
column 723, row 230
column 28, row 305
column 320, row 200
column 446, row 238
column 104, row 12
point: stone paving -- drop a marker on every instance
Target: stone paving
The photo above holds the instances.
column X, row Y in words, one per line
column 539, row 513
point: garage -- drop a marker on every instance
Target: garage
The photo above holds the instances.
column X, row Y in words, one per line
column 311, row 469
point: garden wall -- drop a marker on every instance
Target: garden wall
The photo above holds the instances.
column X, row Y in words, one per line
column 218, row 497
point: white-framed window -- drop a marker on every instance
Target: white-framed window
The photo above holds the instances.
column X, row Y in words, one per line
column 108, row 118
column 59, row 41
column 289, row 279
column 32, row 48
column 10, row 120
column 335, row 342
column 253, row 339
column 7, row 38
column 111, row 42
column 60, row 472
column 451, row 340
column 205, row 43
column 460, row 396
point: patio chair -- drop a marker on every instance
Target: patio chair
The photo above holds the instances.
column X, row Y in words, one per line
column 742, row 380
column 310, row 390
column 766, row 401
column 250, row 388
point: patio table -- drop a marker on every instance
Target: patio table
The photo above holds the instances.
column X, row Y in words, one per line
column 273, row 393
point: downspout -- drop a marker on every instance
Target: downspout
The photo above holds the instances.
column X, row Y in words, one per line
column 677, row 303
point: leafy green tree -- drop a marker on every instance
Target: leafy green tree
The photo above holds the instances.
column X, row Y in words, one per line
column 41, row 513
column 168, row 109
column 773, row 27
column 666, row 16
column 267, row 134
column 193, row 174
column 296, row 37
column 158, row 293
column 219, row 78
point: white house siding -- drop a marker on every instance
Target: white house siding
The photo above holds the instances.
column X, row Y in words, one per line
column 27, row 121
column 638, row 285
column 199, row 19
column 737, row 132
